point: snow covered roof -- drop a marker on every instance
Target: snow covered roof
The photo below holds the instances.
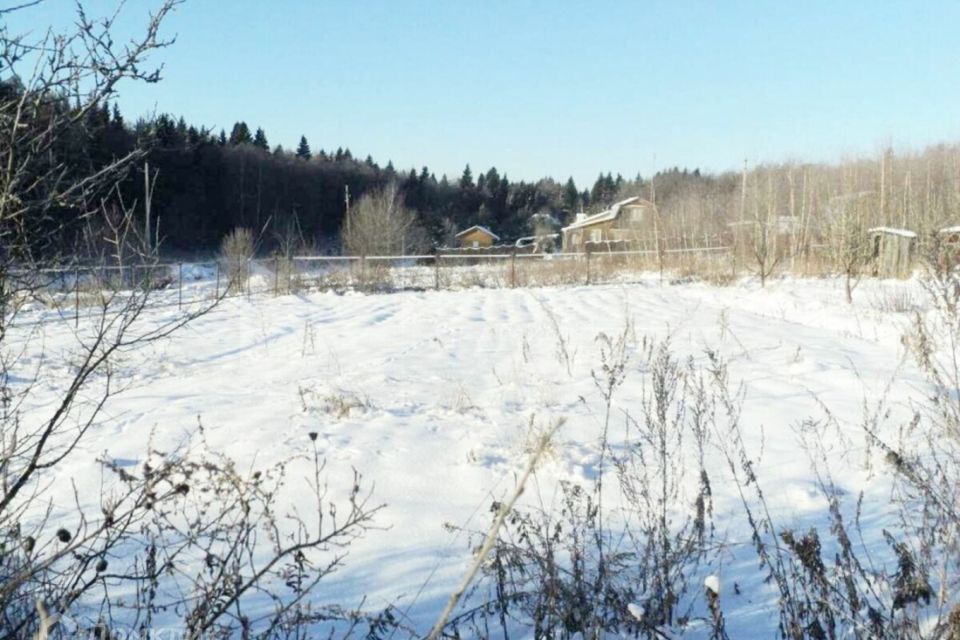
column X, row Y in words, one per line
column 526, row 241
column 545, row 218
column 955, row 229
column 480, row 228
column 905, row 233
column 603, row 216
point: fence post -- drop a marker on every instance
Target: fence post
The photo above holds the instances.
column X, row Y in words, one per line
column 513, row 269
column 588, row 265
column 436, row 271
column 290, row 264
column 276, row 277
column 216, row 292
column 363, row 272
column 76, row 296
column 179, row 285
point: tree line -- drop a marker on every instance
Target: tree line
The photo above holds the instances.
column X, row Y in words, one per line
column 208, row 183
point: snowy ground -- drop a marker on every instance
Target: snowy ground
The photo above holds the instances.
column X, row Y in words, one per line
column 444, row 384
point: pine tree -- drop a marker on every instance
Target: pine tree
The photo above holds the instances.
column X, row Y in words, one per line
column 492, row 180
column 466, row 180
column 240, row 134
column 260, row 140
column 117, row 118
column 222, row 139
column 303, row 149
column 570, row 195
column 596, row 193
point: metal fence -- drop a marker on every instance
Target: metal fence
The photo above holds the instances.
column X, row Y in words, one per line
column 66, row 292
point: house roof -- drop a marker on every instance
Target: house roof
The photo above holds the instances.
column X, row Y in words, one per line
column 906, row 233
column 604, row 216
column 955, row 229
column 480, row 228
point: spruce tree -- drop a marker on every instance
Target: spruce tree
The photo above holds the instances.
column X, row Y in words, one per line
column 570, row 195
column 466, row 180
column 260, row 140
column 240, row 134
column 303, row 149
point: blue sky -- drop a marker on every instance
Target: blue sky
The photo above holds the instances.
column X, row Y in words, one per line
column 561, row 88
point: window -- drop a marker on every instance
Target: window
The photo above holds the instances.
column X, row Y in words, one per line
column 596, row 235
column 476, row 244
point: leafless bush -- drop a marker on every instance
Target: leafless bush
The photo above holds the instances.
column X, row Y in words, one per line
column 177, row 545
column 585, row 569
column 832, row 584
column 379, row 224
column 236, row 251
column 896, row 300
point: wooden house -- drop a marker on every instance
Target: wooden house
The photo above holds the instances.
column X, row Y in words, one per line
column 618, row 228
column 894, row 251
column 476, row 237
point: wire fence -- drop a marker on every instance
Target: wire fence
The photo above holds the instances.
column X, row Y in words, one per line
column 66, row 292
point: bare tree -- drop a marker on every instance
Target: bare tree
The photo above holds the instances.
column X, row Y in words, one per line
column 379, row 224
column 179, row 518
column 850, row 243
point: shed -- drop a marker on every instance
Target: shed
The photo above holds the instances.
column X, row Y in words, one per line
column 620, row 226
column 894, row 251
column 476, row 237
column 950, row 235
column 948, row 246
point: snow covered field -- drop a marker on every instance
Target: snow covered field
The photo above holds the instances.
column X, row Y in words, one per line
column 430, row 395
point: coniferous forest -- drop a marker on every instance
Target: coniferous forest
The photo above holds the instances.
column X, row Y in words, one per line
column 207, row 183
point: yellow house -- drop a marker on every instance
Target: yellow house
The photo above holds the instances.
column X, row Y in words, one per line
column 620, row 225
column 477, row 237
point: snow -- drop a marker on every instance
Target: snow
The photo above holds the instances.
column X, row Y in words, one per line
column 904, row 233
column 603, row 216
column 712, row 584
column 430, row 395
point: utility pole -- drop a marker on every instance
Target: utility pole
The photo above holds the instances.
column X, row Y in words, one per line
column 743, row 190
column 653, row 189
column 346, row 201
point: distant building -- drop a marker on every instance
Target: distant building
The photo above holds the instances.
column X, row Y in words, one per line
column 619, row 227
column 477, row 237
column 894, row 251
column 950, row 235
